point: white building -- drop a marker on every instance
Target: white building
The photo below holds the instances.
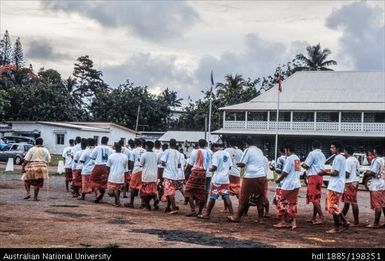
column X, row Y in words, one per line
column 322, row 105
column 56, row 135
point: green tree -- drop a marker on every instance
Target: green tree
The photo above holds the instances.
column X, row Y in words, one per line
column 5, row 49
column 315, row 59
column 171, row 98
column 17, row 56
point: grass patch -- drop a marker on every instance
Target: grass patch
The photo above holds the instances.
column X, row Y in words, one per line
column 55, row 159
column 112, row 245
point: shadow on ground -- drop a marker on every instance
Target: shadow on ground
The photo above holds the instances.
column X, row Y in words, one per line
column 201, row 238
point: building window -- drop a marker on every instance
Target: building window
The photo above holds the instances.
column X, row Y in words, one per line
column 59, row 139
column 96, row 138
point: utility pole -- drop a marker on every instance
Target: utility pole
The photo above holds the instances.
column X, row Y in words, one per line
column 137, row 119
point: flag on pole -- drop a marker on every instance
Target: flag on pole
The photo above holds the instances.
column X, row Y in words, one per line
column 280, row 82
column 212, row 81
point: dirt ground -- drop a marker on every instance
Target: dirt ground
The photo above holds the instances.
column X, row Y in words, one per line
column 58, row 220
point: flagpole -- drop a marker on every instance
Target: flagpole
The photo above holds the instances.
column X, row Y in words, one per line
column 277, row 122
column 209, row 128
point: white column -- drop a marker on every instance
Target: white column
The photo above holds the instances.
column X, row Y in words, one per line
column 224, row 118
column 268, row 120
column 245, row 119
column 315, row 120
column 291, row 120
column 362, row 121
column 235, row 116
column 339, row 121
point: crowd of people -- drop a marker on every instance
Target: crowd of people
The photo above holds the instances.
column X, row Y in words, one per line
column 155, row 172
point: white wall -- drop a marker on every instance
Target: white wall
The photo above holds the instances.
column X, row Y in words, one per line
column 118, row 133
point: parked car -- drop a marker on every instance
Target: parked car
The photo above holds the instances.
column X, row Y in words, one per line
column 17, row 151
column 364, row 178
column 3, row 145
column 18, row 139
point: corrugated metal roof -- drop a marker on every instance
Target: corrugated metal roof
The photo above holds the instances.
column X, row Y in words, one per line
column 323, row 91
column 190, row 136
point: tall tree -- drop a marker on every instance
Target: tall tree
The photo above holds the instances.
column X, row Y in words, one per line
column 316, row 59
column 17, row 55
column 171, row 98
column 6, row 49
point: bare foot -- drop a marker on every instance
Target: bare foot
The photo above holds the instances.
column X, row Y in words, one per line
column 318, row 222
column 232, row 219
column 173, row 212
column 374, row 226
column 282, row 225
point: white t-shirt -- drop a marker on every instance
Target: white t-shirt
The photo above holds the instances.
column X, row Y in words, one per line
column 89, row 163
column 78, row 165
column 171, row 158
column 126, row 151
column 352, row 166
column 266, row 165
column 67, row 155
column 118, row 164
column 193, row 159
column 75, row 149
column 222, row 160
column 158, row 153
column 235, row 155
column 135, row 157
column 100, row 154
column 149, row 164
column 182, row 162
column 293, row 169
column 315, row 161
column 337, row 183
column 280, row 165
column 38, row 154
column 378, row 183
column 209, row 174
column 253, row 158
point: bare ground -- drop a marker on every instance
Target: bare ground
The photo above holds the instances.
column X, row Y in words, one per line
column 58, row 220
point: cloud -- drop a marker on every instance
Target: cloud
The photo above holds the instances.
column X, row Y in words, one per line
column 150, row 20
column 42, row 50
column 363, row 33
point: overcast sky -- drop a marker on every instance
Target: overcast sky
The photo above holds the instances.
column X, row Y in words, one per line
column 176, row 44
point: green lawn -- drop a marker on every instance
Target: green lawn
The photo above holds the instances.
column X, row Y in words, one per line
column 55, row 159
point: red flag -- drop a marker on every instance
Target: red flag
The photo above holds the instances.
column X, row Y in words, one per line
column 279, row 82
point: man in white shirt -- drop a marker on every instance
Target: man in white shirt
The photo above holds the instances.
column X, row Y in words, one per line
column 349, row 197
column 74, row 150
column 254, row 180
column 99, row 175
column 170, row 160
column 196, row 183
column 149, row 164
column 234, row 176
column 336, row 187
column 76, row 172
column 315, row 163
column 290, row 184
column 68, row 157
column 127, row 175
column 88, row 165
column 117, row 165
column 277, row 168
column 377, row 186
column 136, row 176
column 221, row 163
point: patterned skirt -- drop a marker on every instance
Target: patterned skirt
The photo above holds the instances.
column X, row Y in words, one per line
column 99, row 177
column 235, row 185
column 170, row 186
column 287, row 205
column 196, row 185
column 114, row 186
column 68, row 174
column 148, row 189
column 35, row 170
column 86, row 184
column 377, row 199
column 350, row 193
column 332, row 202
column 136, row 180
column 77, row 178
column 314, row 186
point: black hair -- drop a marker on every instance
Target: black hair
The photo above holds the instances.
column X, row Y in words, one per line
column 149, row 144
column 138, row 142
column 316, row 144
column 282, row 149
column 78, row 139
column 104, row 140
column 173, row 143
column 349, row 150
column 164, row 146
column 157, row 144
column 202, row 143
column 249, row 141
column 338, row 145
column 91, row 142
column 71, row 142
column 83, row 143
column 379, row 150
column 131, row 143
column 118, row 147
column 39, row 141
column 289, row 147
column 121, row 142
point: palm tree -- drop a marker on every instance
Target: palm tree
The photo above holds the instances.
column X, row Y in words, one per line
column 316, row 60
column 230, row 91
column 171, row 98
